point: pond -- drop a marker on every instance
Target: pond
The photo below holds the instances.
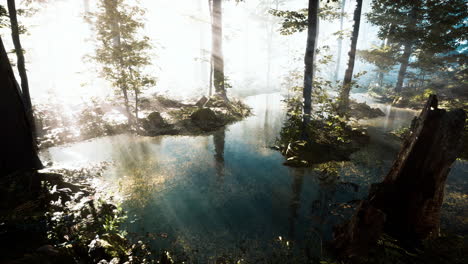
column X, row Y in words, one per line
column 229, row 194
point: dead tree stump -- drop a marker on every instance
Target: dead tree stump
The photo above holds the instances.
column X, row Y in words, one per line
column 407, row 204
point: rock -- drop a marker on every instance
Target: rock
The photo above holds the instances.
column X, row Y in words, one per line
column 155, row 120
column 97, row 249
column 48, row 250
column 363, row 110
column 154, row 125
column 201, row 102
column 206, row 119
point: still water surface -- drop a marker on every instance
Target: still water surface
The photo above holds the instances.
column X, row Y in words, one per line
column 228, row 192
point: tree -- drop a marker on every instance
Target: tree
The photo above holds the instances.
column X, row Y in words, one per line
column 340, row 40
column 15, row 34
column 309, row 58
column 298, row 21
column 121, row 53
column 217, row 57
column 398, row 21
column 421, row 28
column 383, row 57
column 346, row 88
column 17, row 148
column 270, row 23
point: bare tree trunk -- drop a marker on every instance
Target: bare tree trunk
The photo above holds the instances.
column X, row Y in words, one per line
column 407, row 204
column 217, row 47
column 340, row 41
column 21, row 64
column 345, row 90
column 210, row 93
column 270, row 36
column 137, row 102
column 86, row 6
column 403, row 67
column 17, row 146
column 309, row 58
column 127, row 105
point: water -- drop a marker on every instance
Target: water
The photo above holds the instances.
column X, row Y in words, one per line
column 228, row 193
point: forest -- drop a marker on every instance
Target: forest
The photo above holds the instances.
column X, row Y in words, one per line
column 233, row 131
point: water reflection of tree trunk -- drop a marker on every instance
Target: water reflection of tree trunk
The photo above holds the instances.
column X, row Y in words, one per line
column 295, row 199
column 266, row 123
column 218, row 141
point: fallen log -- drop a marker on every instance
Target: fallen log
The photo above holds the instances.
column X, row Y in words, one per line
column 407, row 204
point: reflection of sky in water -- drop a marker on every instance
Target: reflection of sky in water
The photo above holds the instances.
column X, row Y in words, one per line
column 212, row 193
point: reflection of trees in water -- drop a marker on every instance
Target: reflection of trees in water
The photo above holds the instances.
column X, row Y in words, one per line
column 295, row 203
column 138, row 172
column 219, row 138
column 327, row 210
column 266, row 124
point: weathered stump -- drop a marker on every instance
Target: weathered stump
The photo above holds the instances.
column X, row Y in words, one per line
column 410, row 197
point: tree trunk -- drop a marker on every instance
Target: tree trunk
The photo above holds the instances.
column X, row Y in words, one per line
column 217, row 47
column 136, row 106
column 403, row 67
column 345, row 90
column 111, row 11
column 21, row 64
column 86, row 6
column 17, row 148
column 127, row 105
column 340, row 41
column 271, row 31
column 407, row 204
column 219, row 138
column 312, row 34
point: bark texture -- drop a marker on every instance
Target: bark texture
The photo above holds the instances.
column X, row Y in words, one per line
column 312, row 33
column 17, row 147
column 409, row 199
column 345, row 90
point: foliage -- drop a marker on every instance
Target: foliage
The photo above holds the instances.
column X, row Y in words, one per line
column 296, row 21
column 327, row 128
column 3, row 17
column 402, row 132
column 434, row 29
column 383, row 57
column 121, row 51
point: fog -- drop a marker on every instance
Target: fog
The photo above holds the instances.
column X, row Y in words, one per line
column 257, row 57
